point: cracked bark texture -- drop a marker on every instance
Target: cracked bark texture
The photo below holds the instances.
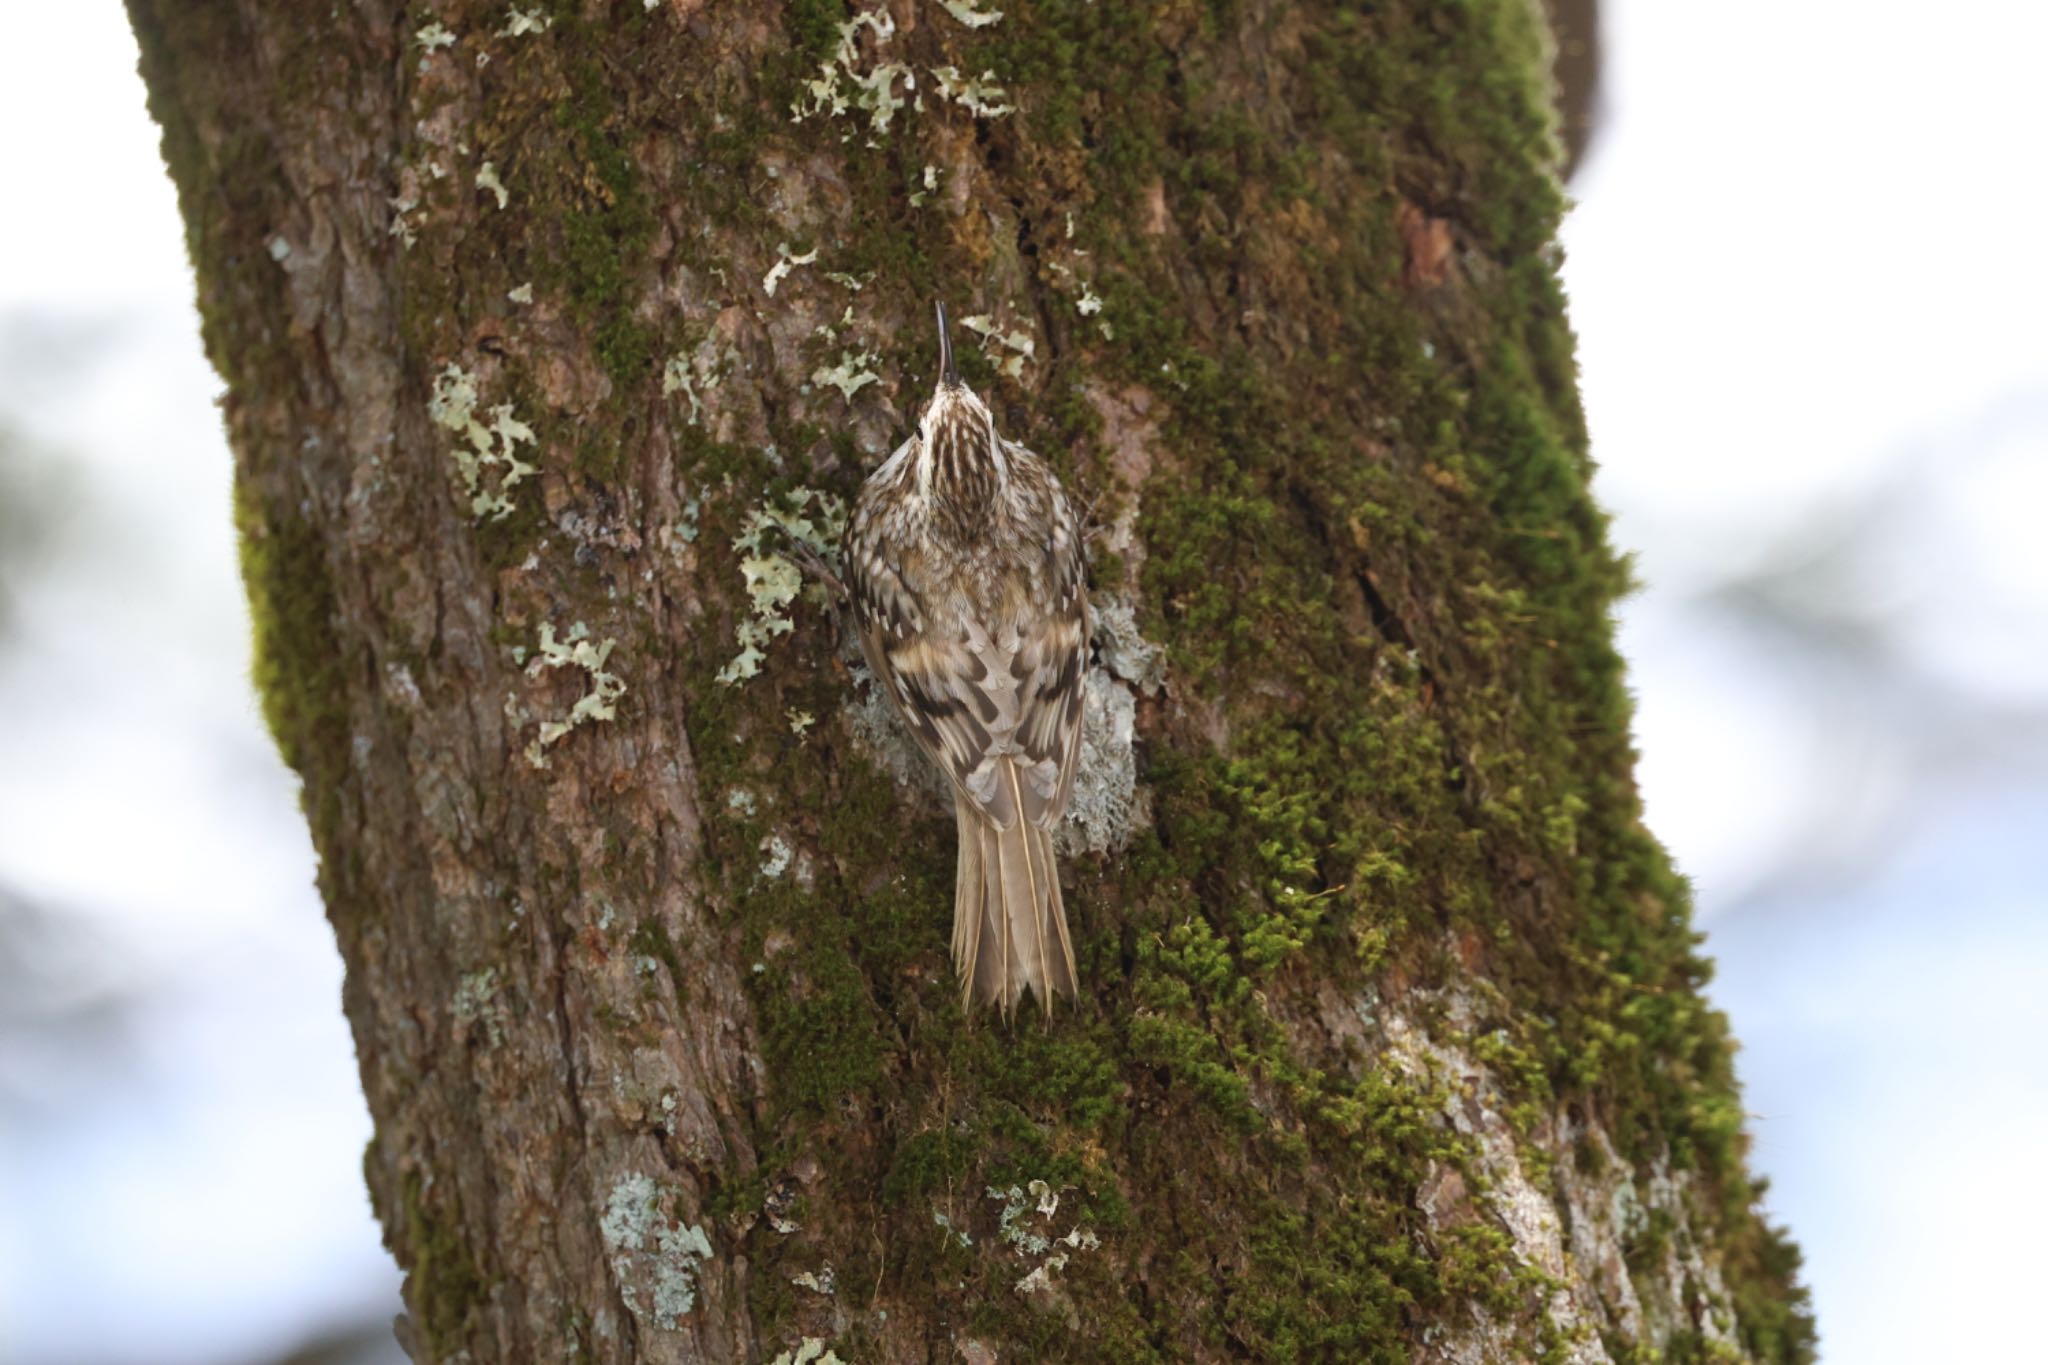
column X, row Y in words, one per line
column 1392, row 1044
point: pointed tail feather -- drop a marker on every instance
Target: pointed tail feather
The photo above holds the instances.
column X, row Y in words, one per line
column 1009, row 923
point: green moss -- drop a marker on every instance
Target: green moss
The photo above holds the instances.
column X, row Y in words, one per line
column 1371, row 554
column 443, row 1286
column 604, row 224
column 296, row 663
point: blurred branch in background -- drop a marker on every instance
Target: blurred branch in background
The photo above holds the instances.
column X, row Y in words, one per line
column 38, row 495
column 1575, row 25
column 1901, row 627
column 67, row 1008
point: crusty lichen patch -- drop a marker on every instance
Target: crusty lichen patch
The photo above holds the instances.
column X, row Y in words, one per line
column 487, row 459
column 656, row 1259
column 814, row 519
column 600, row 702
column 1024, row 1224
column 842, row 85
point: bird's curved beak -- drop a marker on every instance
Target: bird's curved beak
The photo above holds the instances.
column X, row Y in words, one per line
column 949, row 372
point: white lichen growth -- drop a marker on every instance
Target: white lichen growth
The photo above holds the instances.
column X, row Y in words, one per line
column 695, row 373
column 966, row 13
column 279, row 249
column 1016, row 1211
column 959, row 1234
column 856, row 283
column 520, row 22
column 1123, row 648
column 853, row 372
column 475, row 1001
column 431, row 39
column 487, row 179
column 930, row 181
column 784, row 263
column 523, row 294
column 978, row 95
column 600, row 702
column 995, row 337
column 1090, row 302
column 1040, row 1280
column 653, row 1252
column 815, row 519
column 776, row 858
column 676, row 377
column 822, row 1282
column 799, row 721
column 1021, row 1204
column 840, row 84
column 810, row 1351
column 740, row 801
column 492, row 445
column 402, row 227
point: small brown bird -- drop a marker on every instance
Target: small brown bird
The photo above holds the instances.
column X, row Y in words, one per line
column 964, row 566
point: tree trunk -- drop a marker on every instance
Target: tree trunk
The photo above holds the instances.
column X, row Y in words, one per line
column 547, row 331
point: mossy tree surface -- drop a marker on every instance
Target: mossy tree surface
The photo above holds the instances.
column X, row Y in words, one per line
column 1393, row 1046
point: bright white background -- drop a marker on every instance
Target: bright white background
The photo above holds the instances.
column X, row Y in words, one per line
column 1808, row 272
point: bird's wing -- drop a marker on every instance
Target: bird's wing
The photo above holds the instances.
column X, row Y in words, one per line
column 996, row 705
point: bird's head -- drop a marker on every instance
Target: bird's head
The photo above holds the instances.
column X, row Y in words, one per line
column 959, row 455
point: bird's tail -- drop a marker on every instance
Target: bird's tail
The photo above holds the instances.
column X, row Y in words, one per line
column 1009, row 925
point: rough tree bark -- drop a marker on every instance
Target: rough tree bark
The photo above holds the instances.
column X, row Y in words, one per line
column 545, row 329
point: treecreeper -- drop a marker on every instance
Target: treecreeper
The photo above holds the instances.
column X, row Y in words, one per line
column 964, row 565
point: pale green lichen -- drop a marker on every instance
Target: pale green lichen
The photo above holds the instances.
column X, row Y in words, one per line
column 402, row 227
column 1021, row 1204
column 523, row 294
column 784, row 263
column 978, row 95
column 676, row 377
column 799, row 721
column 820, row 1282
column 487, row 179
column 966, row 13
column 652, row 1252
column 850, row 375
column 994, row 336
column 930, row 180
column 1018, row 1205
column 475, row 1001
column 431, row 39
column 813, row 518
column 598, row 703
column 810, row 1351
column 492, row 446
column 776, row 856
column 520, row 22
column 840, row 85
column 695, row 373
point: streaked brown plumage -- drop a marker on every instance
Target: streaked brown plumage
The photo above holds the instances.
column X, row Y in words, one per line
column 964, row 565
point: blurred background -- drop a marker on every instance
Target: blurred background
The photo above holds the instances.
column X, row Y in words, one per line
column 1806, row 270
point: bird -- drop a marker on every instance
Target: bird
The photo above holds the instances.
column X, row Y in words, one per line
column 966, row 576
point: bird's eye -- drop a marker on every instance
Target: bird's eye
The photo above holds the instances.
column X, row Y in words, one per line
column 920, row 431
